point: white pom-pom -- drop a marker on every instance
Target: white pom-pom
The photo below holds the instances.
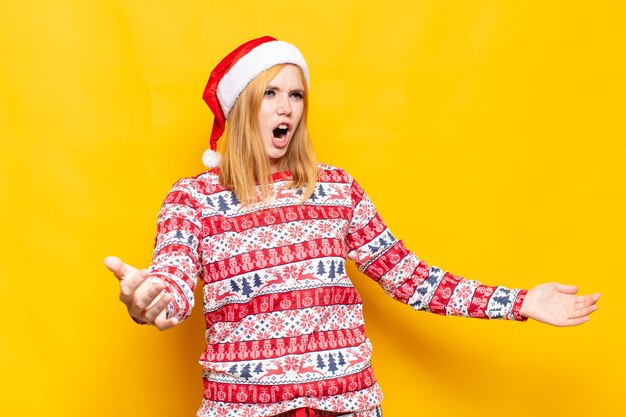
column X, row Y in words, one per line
column 211, row 159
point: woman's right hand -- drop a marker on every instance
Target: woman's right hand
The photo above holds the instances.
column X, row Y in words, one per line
column 144, row 299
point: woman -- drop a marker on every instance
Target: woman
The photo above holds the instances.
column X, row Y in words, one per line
column 268, row 233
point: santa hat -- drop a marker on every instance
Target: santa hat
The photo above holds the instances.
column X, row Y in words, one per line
column 233, row 74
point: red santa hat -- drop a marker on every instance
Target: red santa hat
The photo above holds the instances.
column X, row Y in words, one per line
column 233, row 74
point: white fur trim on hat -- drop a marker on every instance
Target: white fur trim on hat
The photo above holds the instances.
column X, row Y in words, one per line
column 248, row 67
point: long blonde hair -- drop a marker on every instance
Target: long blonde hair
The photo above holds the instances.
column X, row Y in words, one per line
column 245, row 164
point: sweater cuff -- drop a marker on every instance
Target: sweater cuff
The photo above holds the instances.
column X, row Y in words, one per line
column 517, row 306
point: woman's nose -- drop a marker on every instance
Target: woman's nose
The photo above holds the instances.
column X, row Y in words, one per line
column 284, row 106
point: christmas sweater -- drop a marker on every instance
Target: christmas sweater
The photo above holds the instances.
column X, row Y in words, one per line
column 284, row 324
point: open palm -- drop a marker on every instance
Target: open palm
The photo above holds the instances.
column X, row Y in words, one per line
column 558, row 305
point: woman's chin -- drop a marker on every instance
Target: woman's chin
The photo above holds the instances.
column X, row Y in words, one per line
column 276, row 153
column 275, row 159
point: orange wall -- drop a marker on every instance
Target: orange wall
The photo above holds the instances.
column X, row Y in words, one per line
column 490, row 135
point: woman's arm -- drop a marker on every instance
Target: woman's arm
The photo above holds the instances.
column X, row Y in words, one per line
column 163, row 295
column 408, row 279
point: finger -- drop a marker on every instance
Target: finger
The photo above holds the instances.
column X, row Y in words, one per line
column 584, row 311
column 576, row 321
column 164, row 324
column 129, row 286
column 587, row 300
column 119, row 268
column 567, row 289
column 147, row 292
column 156, row 308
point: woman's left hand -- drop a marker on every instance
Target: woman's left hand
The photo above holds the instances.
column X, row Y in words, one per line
column 558, row 305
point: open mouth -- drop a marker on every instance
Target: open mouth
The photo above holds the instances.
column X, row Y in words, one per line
column 281, row 131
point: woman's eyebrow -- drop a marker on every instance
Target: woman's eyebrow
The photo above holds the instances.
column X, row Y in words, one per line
column 276, row 88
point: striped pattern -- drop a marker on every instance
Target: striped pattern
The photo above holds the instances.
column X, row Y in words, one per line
column 284, row 323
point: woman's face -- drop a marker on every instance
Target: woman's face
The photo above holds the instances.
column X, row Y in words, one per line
column 280, row 113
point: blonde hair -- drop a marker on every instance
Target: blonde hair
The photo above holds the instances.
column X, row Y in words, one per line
column 245, row 163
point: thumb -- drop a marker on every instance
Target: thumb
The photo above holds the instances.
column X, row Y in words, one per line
column 567, row 289
column 119, row 268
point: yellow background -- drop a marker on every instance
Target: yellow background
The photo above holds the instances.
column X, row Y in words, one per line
column 490, row 135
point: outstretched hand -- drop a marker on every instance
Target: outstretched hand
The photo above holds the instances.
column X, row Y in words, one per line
column 143, row 298
column 558, row 305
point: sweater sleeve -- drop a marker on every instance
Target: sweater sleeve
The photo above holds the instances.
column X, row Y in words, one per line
column 405, row 277
column 175, row 259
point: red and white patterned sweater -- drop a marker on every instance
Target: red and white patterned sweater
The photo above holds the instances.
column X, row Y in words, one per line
column 284, row 322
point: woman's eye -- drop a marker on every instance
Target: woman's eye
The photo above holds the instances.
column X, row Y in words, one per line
column 270, row 93
column 297, row 95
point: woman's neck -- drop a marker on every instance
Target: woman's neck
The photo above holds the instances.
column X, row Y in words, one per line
column 276, row 166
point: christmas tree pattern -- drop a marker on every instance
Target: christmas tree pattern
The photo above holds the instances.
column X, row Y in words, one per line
column 222, row 206
column 245, row 287
column 504, row 300
column 242, row 287
column 377, row 245
column 234, row 286
column 340, row 270
column 331, row 271
column 320, row 362
column 257, row 281
column 258, row 369
column 340, row 359
column 332, row 362
column 320, row 269
column 335, row 269
column 245, row 372
column 233, row 200
column 332, row 365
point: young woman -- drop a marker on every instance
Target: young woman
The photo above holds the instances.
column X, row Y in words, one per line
column 268, row 233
